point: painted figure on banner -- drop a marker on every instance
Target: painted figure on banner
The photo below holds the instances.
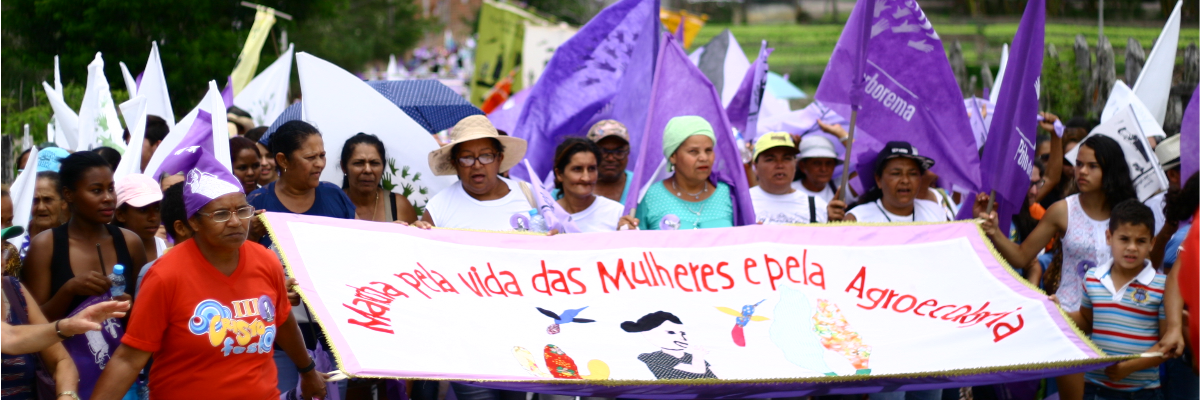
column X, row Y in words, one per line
column 672, row 360
column 559, row 364
column 567, row 317
column 743, row 318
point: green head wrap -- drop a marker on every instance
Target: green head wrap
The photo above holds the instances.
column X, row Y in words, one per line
column 680, row 129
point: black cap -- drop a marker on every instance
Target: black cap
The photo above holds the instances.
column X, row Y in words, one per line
column 898, row 149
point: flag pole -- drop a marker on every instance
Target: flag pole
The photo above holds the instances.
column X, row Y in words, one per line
column 846, row 164
column 991, row 203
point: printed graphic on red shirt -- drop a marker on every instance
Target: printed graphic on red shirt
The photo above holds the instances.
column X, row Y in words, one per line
column 233, row 329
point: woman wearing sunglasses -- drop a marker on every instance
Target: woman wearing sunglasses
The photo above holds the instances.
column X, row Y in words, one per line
column 481, row 199
column 214, row 280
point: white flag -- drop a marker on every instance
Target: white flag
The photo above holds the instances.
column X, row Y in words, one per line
column 1125, row 127
column 98, row 122
column 341, row 105
column 23, row 190
column 134, row 111
column 266, row 96
column 154, row 87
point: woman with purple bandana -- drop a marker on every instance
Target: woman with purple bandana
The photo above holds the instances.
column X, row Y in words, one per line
column 195, row 291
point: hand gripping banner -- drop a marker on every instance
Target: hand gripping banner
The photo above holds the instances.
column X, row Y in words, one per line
column 757, row 311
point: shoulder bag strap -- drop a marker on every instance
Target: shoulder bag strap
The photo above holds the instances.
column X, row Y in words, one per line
column 16, row 301
column 812, row 210
column 528, row 195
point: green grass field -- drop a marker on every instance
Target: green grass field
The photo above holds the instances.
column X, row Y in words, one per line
column 803, row 50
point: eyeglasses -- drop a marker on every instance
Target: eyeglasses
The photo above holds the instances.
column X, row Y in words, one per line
column 1039, row 183
column 484, row 159
column 245, row 212
column 619, row 154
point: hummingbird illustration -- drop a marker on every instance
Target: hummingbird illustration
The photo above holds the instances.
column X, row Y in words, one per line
column 743, row 318
column 567, row 317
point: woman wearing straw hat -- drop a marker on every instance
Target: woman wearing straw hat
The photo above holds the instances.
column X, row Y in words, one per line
column 481, row 199
column 687, row 200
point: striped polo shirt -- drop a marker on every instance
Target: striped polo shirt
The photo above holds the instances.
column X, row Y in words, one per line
column 1125, row 320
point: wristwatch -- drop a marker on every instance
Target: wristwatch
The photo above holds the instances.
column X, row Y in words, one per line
column 69, row 393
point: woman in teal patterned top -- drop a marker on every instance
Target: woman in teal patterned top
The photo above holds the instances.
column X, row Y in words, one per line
column 689, row 195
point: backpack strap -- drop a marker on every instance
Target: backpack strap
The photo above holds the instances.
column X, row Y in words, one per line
column 528, row 194
column 812, row 210
column 16, row 300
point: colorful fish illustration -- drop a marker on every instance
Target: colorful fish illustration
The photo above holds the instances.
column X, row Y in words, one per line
column 743, row 318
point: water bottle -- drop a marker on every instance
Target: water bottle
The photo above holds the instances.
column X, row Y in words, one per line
column 118, row 280
column 536, row 222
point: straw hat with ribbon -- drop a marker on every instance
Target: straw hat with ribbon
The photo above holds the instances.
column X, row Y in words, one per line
column 473, row 128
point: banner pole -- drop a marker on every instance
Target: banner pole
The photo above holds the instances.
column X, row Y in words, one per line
column 849, row 142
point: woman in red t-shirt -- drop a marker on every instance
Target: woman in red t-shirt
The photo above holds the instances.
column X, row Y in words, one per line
column 211, row 310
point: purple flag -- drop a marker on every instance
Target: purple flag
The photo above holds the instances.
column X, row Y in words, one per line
column 227, row 94
column 681, row 89
column 92, row 351
column 556, row 217
column 1189, row 138
column 1008, row 151
column 908, row 91
column 743, row 108
column 603, row 72
column 199, row 136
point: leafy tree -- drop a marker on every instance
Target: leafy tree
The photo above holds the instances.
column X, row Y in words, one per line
column 199, row 40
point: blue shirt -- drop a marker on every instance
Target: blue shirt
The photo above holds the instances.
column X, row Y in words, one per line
column 1173, row 244
column 714, row 212
column 330, row 201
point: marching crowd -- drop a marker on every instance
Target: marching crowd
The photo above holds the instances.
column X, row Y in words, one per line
column 164, row 254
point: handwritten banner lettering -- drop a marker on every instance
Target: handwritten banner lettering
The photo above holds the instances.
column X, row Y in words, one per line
column 750, row 311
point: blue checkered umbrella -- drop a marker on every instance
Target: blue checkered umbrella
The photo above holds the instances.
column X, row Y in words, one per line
column 428, row 102
column 433, row 105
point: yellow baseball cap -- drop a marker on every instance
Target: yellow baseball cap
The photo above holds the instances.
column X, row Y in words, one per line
column 773, row 140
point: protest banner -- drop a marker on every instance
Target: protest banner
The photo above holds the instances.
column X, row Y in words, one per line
column 1125, row 128
column 762, row 311
column 501, row 40
column 539, row 45
column 247, row 63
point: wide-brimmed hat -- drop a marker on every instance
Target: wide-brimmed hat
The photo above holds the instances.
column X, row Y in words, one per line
column 1168, row 152
column 473, row 128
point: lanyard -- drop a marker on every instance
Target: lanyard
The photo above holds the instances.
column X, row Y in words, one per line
column 885, row 213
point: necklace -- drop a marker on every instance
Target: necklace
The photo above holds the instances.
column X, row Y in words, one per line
column 694, row 195
column 696, row 223
column 375, row 208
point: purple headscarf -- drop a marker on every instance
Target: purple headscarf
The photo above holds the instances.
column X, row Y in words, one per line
column 206, row 179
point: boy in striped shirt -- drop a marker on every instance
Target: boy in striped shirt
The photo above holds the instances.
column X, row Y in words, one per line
column 1123, row 309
